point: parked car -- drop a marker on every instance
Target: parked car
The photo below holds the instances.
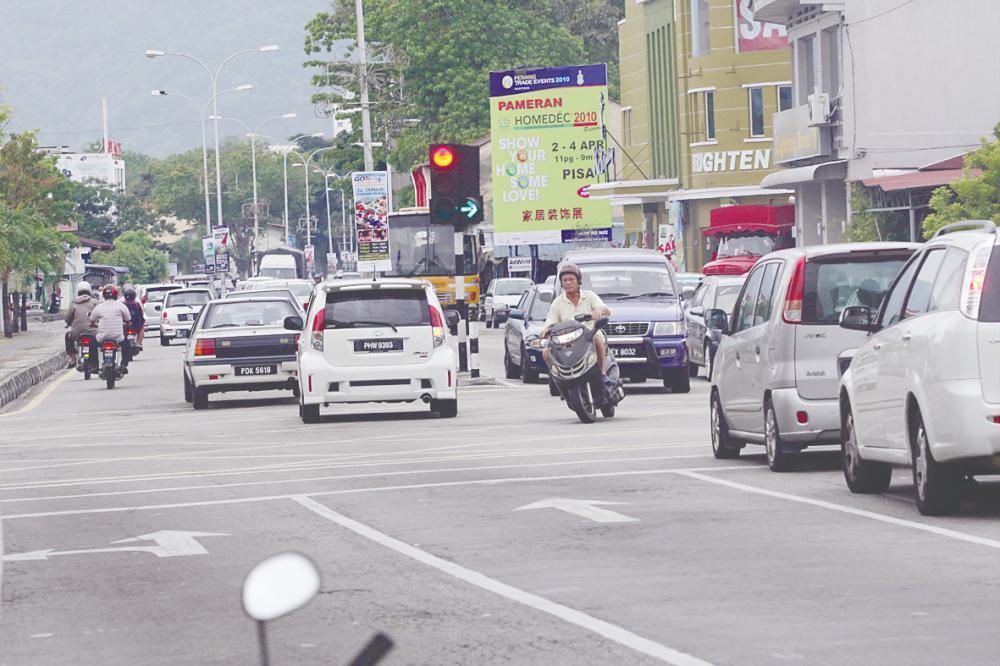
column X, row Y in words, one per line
column 703, row 341
column 501, row 292
column 240, row 344
column 689, row 283
column 778, row 365
column 375, row 341
column 923, row 389
column 646, row 328
column 151, row 296
column 180, row 310
column 522, row 344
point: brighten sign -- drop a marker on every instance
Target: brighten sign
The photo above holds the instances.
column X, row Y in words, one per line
column 546, row 125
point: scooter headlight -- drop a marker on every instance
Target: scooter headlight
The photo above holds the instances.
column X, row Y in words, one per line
column 567, row 338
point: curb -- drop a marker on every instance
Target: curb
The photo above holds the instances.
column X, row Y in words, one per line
column 478, row 381
column 22, row 380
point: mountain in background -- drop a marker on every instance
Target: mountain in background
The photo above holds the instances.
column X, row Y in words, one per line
column 58, row 58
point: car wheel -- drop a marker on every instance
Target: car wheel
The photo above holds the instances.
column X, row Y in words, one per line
column 723, row 446
column 199, row 398
column 678, row 381
column 553, row 390
column 188, row 392
column 310, row 413
column 692, row 369
column 862, row 476
column 528, row 374
column 446, row 409
column 937, row 487
column 164, row 342
column 778, row 459
column 510, row 371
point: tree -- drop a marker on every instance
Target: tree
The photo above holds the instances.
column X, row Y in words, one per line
column 976, row 197
column 136, row 251
column 29, row 179
column 105, row 213
column 186, row 252
column 27, row 243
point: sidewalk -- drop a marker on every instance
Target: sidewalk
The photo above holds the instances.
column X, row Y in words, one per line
column 30, row 357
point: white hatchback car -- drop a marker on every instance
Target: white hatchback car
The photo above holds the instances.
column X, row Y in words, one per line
column 501, row 297
column 924, row 388
column 375, row 341
column 180, row 310
column 151, row 296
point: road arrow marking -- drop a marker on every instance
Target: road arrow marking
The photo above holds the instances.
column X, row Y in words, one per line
column 169, row 543
column 589, row 509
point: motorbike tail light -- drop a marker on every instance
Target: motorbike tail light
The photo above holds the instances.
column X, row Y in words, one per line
column 792, row 313
column 319, row 323
column 131, row 331
column 204, row 347
column 108, row 346
column 84, row 341
column 437, row 326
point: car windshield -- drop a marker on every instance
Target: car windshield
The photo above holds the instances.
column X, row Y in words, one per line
column 624, row 281
column 278, row 273
column 157, row 295
column 540, row 306
column 376, row 307
column 512, row 287
column 830, row 286
column 248, row 313
column 725, row 297
column 191, row 298
column 745, row 246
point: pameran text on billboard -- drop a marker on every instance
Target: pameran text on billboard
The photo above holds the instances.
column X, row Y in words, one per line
column 546, row 125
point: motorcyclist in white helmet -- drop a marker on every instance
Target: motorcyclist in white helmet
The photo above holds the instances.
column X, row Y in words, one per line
column 78, row 319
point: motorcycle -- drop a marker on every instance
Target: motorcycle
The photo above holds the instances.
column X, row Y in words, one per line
column 575, row 371
column 132, row 336
column 86, row 355
column 111, row 368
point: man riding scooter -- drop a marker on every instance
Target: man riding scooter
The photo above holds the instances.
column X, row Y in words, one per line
column 576, row 301
column 78, row 320
column 138, row 316
column 111, row 318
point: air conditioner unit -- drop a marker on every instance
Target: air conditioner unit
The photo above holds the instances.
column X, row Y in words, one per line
column 819, row 109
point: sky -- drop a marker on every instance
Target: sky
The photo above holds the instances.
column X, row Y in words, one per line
column 59, row 57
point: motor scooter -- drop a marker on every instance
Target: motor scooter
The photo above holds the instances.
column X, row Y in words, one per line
column 576, row 373
column 132, row 337
column 86, row 355
column 111, row 365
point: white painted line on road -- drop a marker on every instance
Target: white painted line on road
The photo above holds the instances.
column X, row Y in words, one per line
column 892, row 520
column 37, row 400
column 41, row 636
column 343, row 477
column 169, row 543
column 602, row 628
column 589, row 509
column 356, row 491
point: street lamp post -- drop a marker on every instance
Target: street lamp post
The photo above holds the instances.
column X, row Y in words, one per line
column 305, row 168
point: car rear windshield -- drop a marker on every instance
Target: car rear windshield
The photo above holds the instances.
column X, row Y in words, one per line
column 833, row 284
column 253, row 313
column 279, row 273
column 157, row 295
column 512, row 287
column 263, row 293
column 376, row 307
column 725, row 297
column 989, row 306
column 188, row 298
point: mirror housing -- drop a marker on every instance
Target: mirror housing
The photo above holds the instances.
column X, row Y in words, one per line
column 294, row 323
column 698, row 311
column 516, row 314
column 279, row 585
column 717, row 319
column 857, row 318
column 687, row 291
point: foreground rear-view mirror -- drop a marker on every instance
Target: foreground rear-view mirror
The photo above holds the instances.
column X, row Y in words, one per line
column 293, row 323
column 279, row 585
column 717, row 319
column 856, row 318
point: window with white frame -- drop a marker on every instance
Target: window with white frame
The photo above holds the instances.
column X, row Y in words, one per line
column 627, row 125
column 710, row 115
column 784, row 98
column 700, row 42
column 806, row 73
column 756, row 111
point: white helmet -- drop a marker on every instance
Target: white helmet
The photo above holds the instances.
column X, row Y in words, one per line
column 83, row 288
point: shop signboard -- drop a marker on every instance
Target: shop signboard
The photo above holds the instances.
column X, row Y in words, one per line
column 519, row 265
column 795, row 139
column 754, row 35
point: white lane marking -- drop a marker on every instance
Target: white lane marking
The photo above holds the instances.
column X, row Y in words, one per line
column 901, row 522
column 343, row 477
column 334, row 464
column 41, row 636
column 589, row 509
column 37, row 400
column 169, row 543
column 602, row 628
column 356, row 491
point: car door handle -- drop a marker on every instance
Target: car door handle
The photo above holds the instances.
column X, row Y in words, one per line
column 877, row 346
column 906, row 337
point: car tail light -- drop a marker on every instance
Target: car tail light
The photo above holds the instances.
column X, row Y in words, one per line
column 437, row 326
column 449, row 379
column 164, row 314
column 792, row 313
column 994, row 419
column 319, row 324
column 204, row 347
column 143, row 299
column 975, row 280
column 109, row 345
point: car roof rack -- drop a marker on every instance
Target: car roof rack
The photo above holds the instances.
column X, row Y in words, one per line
column 967, row 225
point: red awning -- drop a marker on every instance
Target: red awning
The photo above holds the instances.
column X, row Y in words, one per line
column 918, row 179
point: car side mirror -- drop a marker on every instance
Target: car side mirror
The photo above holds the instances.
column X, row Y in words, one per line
column 687, row 292
column 857, row 318
column 293, row 323
column 717, row 319
column 516, row 314
column 697, row 311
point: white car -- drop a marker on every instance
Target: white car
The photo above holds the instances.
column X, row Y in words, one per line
column 924, row 389
column 303, row 289
column 375, row 341
column 501, row 297
column 151, row 296
column 277, row 292
column 240, row 344
column 180, row 310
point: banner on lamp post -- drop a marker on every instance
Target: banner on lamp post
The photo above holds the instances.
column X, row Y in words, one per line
column 371, row 219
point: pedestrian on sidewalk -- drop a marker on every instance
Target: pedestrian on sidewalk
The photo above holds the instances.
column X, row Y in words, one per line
column 78, row 319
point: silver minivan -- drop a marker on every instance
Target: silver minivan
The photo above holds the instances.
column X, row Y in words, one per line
column 782, row 352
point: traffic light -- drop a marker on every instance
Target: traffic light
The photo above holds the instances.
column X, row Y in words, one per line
column 455, row 194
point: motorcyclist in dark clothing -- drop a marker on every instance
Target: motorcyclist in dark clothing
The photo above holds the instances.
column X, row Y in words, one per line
column 138, row 316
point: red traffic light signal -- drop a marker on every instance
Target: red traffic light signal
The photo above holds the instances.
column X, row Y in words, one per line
column 455, row 195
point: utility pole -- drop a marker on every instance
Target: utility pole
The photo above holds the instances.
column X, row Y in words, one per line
column 366, row 121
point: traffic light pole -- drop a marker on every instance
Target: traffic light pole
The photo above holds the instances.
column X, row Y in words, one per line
column 463, row 323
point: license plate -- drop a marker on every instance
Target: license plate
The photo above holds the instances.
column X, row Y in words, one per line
column 109, row 356
column 181, row 333
column 624, row 352
column 256, row 370
column 378, row 345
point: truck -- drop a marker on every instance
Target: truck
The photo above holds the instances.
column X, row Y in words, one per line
column 282, row 263
column 740, row 235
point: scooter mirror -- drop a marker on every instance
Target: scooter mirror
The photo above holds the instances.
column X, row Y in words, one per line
column 279, row 585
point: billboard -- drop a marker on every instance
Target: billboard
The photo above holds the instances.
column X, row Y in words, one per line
column 88, row 167
column 754, row 35
column 546, row 125
column 371, row 217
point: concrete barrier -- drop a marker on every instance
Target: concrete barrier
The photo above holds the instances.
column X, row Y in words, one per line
column 13, row 386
